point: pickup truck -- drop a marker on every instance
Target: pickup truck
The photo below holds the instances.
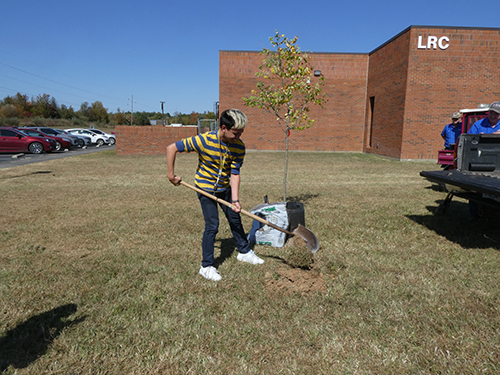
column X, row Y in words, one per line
column 472, row 170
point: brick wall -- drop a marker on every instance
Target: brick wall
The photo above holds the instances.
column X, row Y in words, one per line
column 149, row 140
column 414, row 91
column 393, row 101
column 339, row 126
column 441, row 82
column 387, row 91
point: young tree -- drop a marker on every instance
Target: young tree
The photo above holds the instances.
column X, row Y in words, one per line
column 286, row 90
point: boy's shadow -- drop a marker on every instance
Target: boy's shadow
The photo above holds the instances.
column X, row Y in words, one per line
column 227, row 248
column 28, row 341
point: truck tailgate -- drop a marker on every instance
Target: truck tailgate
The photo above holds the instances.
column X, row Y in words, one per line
column 489, row 185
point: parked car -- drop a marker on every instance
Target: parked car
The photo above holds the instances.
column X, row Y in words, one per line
column 111, row 137
column 75, row 140
column 13, row 140
column 98, row 139
column 61, row 143
column 81, row 140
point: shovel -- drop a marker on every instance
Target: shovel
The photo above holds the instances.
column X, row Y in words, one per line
column 309, row 238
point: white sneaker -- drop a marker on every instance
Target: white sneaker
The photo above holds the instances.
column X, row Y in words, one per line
column 249, row 257
column 210, row 273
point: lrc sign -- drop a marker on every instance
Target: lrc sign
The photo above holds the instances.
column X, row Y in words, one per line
column 433, row 42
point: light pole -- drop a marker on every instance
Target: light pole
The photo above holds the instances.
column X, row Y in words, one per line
column 162, row 120
column 132, row 111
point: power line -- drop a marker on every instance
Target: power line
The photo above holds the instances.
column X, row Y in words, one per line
column 66, row 85
column 56, row 82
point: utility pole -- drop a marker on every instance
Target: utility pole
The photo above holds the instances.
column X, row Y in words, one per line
column 162, row 120
column 132, row 111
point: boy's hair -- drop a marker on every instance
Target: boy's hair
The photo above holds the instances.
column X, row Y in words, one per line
column 233, row 118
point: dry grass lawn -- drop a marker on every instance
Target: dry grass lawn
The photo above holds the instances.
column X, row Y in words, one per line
column 99, row 259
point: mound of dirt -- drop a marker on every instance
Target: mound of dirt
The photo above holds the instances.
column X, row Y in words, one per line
column 295, row 280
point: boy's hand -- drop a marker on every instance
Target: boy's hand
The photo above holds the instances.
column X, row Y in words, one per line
column 175, row 180
column 236, row 206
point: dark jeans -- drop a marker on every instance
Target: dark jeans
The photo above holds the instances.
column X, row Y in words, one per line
column 211, row 216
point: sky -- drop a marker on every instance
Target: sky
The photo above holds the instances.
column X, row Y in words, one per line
column 134, row 54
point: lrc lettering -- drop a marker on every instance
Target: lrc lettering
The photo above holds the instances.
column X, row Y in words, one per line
column 433, row 42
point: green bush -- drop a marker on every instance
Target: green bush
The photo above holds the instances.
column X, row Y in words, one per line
column 39, row 121
column 63, row 123
column 79, row 123
column 9, row 121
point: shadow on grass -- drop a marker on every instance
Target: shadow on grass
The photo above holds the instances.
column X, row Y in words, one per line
column 227, row 248
column 27, row 174
column 303, row 198
column 28, row 341
column 457, row 225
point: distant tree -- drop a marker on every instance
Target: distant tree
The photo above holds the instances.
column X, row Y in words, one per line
column 141, row 118
column 45, row 106
column 21, row 102
column 85, row 111
column 119, row 118
column 286, row 90
column 66, row 112
column 9, row 111
column 98, row 113
column 209, row 115
column 194, row 118
column 176, row 117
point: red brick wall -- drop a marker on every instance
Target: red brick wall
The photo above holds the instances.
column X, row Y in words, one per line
column 415, row 92
column 441, row 82
column 149, row 140
column 339, row 126
column 387, row 84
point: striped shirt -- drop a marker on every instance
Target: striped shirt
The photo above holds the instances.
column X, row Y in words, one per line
column 216, row 159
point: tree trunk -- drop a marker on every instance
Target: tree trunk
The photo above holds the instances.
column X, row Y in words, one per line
column 286, row 162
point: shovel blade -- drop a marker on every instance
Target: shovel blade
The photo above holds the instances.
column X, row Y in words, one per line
column 309, row 238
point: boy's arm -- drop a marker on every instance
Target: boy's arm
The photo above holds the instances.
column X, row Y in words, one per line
column 235, row 192
column 171, row 153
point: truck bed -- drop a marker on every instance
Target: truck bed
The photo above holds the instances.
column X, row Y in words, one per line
column 480, row 183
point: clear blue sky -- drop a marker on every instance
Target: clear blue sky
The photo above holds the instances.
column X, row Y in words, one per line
column 166, row 50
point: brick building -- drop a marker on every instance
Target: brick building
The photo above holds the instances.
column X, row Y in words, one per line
column 393, row 101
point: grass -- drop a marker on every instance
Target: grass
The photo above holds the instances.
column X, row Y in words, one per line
column 99, row 257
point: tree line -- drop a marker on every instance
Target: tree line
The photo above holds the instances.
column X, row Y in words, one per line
column 20, row 106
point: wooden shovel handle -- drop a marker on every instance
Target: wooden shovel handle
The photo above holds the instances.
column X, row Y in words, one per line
column 244, row 212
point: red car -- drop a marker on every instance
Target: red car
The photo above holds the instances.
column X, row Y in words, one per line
column 61, row 143
column 12, row 140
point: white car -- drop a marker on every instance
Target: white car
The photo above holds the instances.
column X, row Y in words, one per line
column 111, row 137
column 97, row 139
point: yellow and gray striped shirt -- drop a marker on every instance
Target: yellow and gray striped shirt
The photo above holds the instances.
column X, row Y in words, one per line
column 216, row 159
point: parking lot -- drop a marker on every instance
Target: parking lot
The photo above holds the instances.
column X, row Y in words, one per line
column 9, row 160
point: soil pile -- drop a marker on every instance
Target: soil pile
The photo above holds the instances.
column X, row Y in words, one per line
column 295, row 280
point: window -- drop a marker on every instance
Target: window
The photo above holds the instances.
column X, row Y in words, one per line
column 8, row 133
